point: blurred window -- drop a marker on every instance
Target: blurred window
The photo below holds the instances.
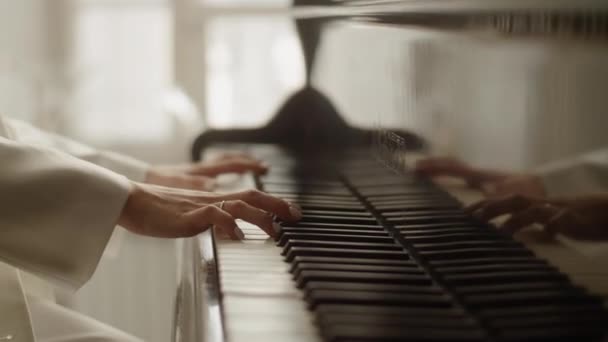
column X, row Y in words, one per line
column 122, row 68
column 253, row 64
column 253, row 60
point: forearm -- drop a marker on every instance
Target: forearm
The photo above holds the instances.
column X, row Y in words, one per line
column 25, row 133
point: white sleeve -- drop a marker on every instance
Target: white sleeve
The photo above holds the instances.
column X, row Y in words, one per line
column 584, row 174
column 57, row 212
column 124, row 165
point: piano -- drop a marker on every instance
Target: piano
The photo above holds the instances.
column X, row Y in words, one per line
column 382, row 254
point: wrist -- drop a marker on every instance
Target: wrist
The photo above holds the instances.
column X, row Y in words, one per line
column 152, row 176
column 124, row 220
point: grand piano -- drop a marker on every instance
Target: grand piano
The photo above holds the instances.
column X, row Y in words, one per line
column 382, row 254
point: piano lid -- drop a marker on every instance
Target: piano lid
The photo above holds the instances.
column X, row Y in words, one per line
column 522, row 78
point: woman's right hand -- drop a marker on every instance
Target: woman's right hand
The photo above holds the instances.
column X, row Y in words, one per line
column 158, row 211
column 493, row 183
column 583, row 217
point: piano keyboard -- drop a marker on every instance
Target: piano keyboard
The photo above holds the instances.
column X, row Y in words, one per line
column 379, row 256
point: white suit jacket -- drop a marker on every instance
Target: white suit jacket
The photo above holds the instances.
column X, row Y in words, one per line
column 584, row 174
column 57, row 212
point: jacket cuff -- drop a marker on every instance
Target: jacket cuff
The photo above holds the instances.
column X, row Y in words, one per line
column 574, row 177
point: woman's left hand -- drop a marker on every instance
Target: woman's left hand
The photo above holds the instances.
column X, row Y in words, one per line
column 201, row 175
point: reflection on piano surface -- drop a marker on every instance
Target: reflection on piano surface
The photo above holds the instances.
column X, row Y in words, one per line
column 382, row 254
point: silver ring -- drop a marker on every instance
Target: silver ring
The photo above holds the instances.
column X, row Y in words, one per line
column 222, row 205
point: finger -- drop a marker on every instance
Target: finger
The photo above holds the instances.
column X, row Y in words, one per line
column 489, row 189
column 471, row 208
column 199, row 183
column 266, row 202
column 201, row 219
column 536, row 214
column 572, row 225
column 439, row 166
column 232, row 155
column 560, row 222
column 243, row 210
column 492, row 208
column 230, row 166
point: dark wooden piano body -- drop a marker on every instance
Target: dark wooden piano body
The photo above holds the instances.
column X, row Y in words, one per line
column 466, row 78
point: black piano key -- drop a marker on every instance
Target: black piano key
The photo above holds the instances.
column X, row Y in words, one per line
column 439, row 246
column 310, row 230
column 337, row 197
column 346, row 253
column 438, row 212
column 339, row 245
column 348, row 226
column 363, row 332
column 321, row 190
column 315, row 205
column 440, row 227
column 533, row 265
column 410, row 234
column 367, row 277
column 563, row 333
column 357, row 286
column 355, row 268
column 443, row 313
column 474, row 253
column 326, row 204
column 286, row 236
column 338, row 219
column 484, row 260
column 352, row 261
column 317, row 297
column 363, row 184
column 409, row 197
column 456, row 220
column 582, row 309
column 302, row 183
column 450, row 237
column 337, row 213
column 530, row 298
column 318, row 198
column 403, row 321
column 537, row 285
column 393, row 192
column 503, row 277
column 426, row 205
column 548, row 321
column 407, row 200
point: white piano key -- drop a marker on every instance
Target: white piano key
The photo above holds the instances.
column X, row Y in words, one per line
column 249, row 337
column 260, row 299
column 290, row 306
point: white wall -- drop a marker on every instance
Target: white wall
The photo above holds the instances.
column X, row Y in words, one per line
column 23, row 56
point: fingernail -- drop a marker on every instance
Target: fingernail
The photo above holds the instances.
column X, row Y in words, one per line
column 295, row 212
column 239, row 233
